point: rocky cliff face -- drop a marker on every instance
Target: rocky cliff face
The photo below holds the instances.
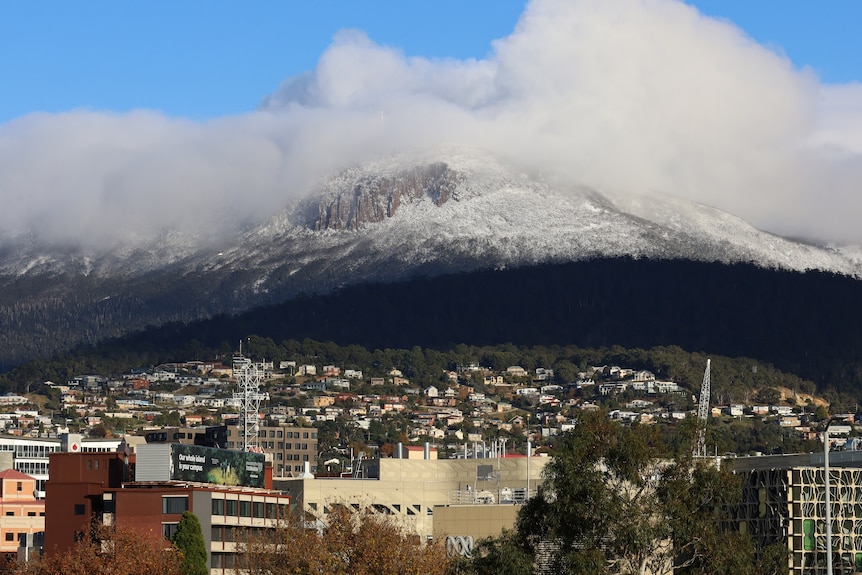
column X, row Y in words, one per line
column 374, row 198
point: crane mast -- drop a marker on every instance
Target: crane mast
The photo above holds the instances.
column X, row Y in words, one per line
column 703, row 414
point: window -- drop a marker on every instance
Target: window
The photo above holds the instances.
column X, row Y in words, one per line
column 168, row 530
column 281, row 445
column 278, row 456
column 270, row 511
column 95, row 464
column 10, row 536
column 272, row 433
column 245, row 508
column 278, row 434
column 217, row 534
column 305, row 435
column 20, row 486
column 218, row 506
column 231, row 506
column 175, row 505
column 31, row 514
column 11, row 514
column 258, row 509
column 79, row 509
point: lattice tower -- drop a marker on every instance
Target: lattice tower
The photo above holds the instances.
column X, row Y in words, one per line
column 703, row 413
column 248, row 376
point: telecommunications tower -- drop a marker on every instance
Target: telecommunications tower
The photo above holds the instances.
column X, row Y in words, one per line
column 248, row 376
column 703, row 414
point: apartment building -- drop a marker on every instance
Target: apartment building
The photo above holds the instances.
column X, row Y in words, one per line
column 290, row 446
column 21, row 514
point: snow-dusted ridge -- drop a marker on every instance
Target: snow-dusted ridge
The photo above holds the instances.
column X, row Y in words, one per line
column 445, row 212
column 497, row 216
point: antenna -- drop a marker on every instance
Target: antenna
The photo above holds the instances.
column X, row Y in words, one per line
column 703, row 414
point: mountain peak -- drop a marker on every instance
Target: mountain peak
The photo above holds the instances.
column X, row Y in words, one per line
column 445, row 212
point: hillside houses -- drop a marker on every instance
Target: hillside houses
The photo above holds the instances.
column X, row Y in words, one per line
column 373, row 406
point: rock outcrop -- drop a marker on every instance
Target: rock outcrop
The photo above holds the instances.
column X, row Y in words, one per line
column 374, row 198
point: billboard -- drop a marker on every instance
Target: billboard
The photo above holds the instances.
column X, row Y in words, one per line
column 220, row 466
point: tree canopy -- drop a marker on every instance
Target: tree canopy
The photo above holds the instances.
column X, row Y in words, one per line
column 349, row 543
column 614, row 502
column 189, row 539
column 108, row 551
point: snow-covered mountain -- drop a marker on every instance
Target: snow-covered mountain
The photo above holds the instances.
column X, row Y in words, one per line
column 445, row 212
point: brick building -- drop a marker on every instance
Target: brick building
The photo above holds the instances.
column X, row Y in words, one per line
column 101, row 486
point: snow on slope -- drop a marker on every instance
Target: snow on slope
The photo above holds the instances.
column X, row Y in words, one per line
column 500, row 217
column 497, row 216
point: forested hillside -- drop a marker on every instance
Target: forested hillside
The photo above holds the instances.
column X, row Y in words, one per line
column 804, row 324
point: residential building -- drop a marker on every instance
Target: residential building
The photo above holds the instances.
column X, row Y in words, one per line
column 21, row 514
column 291, row 447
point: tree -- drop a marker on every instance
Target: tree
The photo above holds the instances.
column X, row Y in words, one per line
column 354, row 543
column 598, row 505
column 109, row 550
column 768, row 395
column 189, row 539
column 613, row 501
column 502, row 555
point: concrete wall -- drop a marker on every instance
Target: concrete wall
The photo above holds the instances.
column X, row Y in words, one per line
column 412, row 489
column 476, row 521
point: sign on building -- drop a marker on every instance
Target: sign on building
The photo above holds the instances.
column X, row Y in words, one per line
column 220, row 466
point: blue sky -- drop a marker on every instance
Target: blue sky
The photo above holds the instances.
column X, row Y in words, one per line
column 204, row 59
column 111, row 111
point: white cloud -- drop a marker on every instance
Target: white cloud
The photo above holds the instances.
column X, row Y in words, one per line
column 624, row 96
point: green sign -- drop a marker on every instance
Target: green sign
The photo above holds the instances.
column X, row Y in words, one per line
column 220, row 466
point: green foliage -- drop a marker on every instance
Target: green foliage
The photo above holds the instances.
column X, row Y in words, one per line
column 189, row 540
column 502, row 555
column 598, row 503
column 614, row 503
column 768, row 395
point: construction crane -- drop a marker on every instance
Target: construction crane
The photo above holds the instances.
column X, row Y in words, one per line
column 702, row 414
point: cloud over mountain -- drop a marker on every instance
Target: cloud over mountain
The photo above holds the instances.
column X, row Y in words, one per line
column 625, row 97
